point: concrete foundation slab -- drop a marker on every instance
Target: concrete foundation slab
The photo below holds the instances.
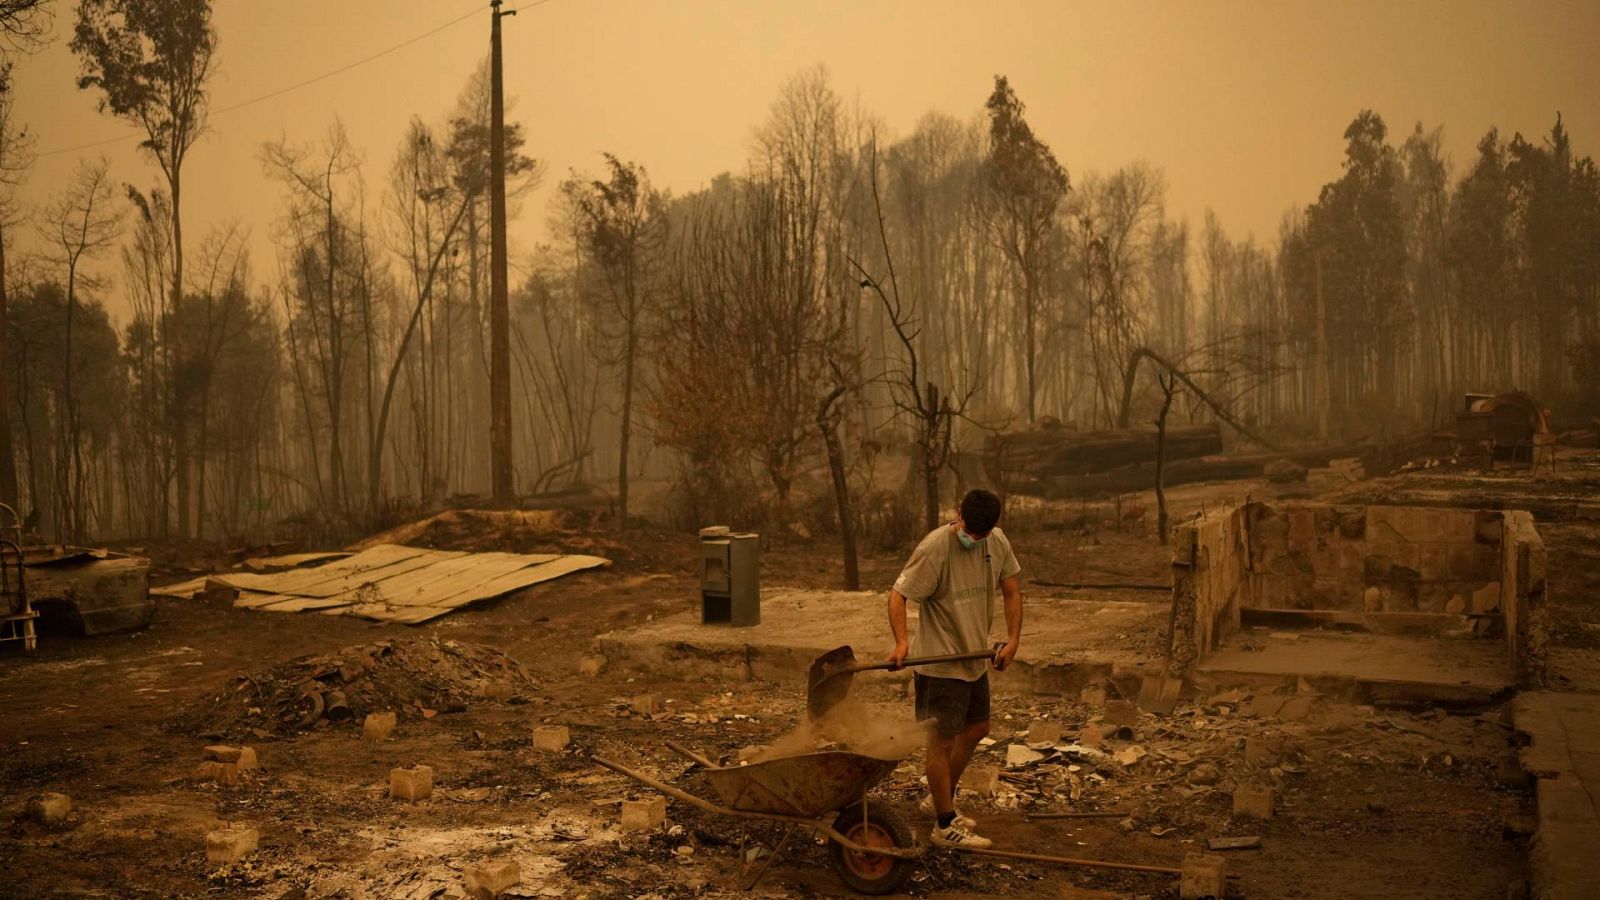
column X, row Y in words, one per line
column 1066, row 644
column 1370, row 667
column 1562, row 732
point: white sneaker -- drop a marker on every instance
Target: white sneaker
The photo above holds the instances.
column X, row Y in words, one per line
column 957, row 837
column 961, row 821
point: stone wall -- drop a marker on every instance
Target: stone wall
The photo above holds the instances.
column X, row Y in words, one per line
column 1523, row 577
column 1374, row 558
column 1210, row 583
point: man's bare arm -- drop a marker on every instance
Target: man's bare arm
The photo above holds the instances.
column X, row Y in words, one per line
column 1011, row 590
column 897, row 625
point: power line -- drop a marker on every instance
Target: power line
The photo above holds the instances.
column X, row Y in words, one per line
column 293, row 87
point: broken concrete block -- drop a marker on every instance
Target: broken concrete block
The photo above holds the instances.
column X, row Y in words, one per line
column 1295, row 708
column 981, row 780
column 49, row 809
column 1256, row 749
column 1252, row 803
column 1486, row 597
column 550, row 738
column 1045, row 733
column 221, row 753
column 231, row 844
column 411, row 784
column 1371, row 600
column 1203, row 876
column 377, row 727
column 644, row 815
column 1020, row 755
column 646, row 704
column 590, row 666
column 1121, row 712
column 1092, row 736
column 1456, row 605
column 218, row 772
column 491, row 879
column 1093, row 695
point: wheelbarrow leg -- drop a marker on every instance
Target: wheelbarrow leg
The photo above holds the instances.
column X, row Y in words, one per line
column 747, row 878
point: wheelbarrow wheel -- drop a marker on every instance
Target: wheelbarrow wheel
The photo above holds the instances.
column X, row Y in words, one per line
column 869, row 873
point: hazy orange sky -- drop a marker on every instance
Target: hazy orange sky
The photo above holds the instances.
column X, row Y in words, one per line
column 1242, row 104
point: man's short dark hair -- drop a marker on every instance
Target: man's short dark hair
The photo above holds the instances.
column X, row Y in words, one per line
column 980, row 510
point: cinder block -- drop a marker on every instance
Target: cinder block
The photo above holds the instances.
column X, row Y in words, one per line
column 491, row 879
column 411, row 784
column 231, row 844
column 981, row 780
column 219, row 772
column 1045, row 733
column 550, row 738
column 1252, row 803
column 590, row 666
column 1121, row 712
column 1204, row 877
column 49, row 809
column 644, row 815
column 646, row 704
column 377, row 727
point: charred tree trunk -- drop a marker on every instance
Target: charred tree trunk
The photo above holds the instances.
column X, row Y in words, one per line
column 1167, row 383
column 828, row 424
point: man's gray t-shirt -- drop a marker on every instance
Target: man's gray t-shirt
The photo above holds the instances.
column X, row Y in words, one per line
column 955, row 588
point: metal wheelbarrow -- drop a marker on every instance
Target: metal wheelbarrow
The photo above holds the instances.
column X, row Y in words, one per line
column 871, row 847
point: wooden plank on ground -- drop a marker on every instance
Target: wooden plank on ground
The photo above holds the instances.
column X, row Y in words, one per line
column 363, row 566
column 416, row 588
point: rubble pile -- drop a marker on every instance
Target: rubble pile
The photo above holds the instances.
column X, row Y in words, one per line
column 416, row 677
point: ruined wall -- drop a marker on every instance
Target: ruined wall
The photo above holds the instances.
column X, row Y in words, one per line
column 1374, row 558
column 1210, row 581
column 1522, row 562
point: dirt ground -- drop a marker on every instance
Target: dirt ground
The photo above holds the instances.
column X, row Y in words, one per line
column 1370, row 802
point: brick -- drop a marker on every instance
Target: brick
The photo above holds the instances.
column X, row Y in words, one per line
column 411, row 784
column 1045, row 733
column 646, row 704
column 1204, row 875
column 491, row 879
column 590, row 666
column 1121, row 712
column 377, row 727
column 1252, row 803
column 49, row 809
column 231, row 844
column 1256, row 749
column 218, row 772
column 981, row 780
column 644, row 815
column 550, row 738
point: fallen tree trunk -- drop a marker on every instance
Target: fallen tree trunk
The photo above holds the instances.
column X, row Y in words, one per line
column 1026, row 457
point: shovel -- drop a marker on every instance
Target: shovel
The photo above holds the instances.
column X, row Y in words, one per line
column 828, row 681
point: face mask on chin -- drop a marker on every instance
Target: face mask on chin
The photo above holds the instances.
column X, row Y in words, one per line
column 967, row 541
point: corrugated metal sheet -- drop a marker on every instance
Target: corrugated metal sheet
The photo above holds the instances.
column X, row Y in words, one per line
column 391, row 583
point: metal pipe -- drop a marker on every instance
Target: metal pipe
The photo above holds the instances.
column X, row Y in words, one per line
column 692, row 756
column 1069, row 861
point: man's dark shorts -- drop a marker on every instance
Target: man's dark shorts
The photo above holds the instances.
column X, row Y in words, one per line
column 953, row 705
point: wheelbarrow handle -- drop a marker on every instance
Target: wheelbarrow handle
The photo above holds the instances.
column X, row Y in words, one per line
column 922, row 661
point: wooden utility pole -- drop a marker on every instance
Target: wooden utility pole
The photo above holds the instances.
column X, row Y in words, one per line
column 499, row 313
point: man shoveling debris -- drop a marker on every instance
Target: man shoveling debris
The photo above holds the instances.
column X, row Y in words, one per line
column 952, row 575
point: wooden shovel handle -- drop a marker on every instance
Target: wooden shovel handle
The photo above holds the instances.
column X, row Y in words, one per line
column 923, row 661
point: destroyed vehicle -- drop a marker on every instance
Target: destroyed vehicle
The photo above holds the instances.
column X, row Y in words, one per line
column 89, row 592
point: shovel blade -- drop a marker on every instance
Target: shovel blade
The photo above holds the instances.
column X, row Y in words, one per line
column 1159, row 693
column 828, row 680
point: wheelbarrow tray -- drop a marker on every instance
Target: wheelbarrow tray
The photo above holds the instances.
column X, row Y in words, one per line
column 811, row 784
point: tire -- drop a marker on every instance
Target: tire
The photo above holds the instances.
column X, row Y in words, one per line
column 865, row 873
